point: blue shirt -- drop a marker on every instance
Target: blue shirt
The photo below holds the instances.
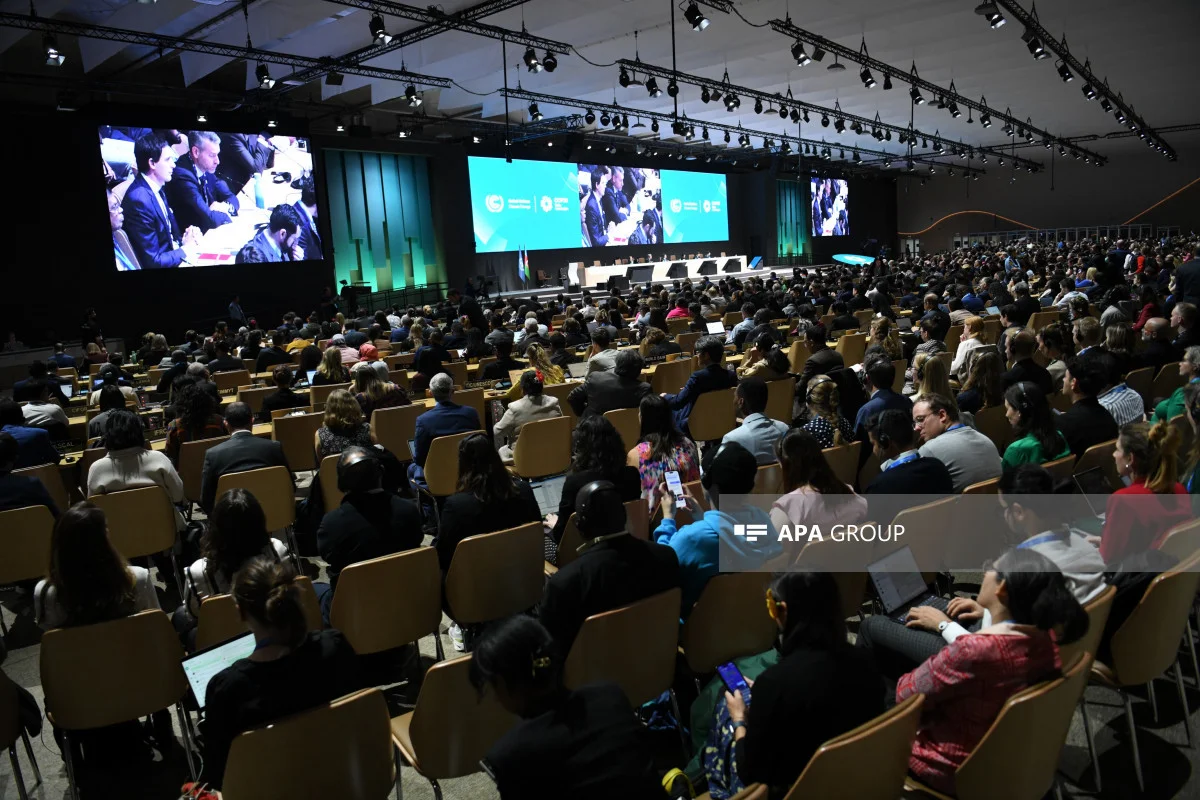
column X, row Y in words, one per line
column 758, row 434
column 971, row 302
column 882, row 400
column 63, row 360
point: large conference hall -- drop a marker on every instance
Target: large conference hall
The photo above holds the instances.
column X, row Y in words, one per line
column 639, row 399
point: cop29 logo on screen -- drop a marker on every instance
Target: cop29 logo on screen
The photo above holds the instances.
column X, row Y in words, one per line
column 494, row 203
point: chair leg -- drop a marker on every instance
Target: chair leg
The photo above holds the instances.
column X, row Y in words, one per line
column 1153, row 699
column 437, row 790
column 437, row 643
column 3, row 627
column 399, row 783
column 1187, row 637
column 187, row 742
column 1187, row 720
column 1087, row 729
column 679, row 724
column 17, row 776
column 37, row 772
column 175, row 569
column 1058, row 792
column 1137, row 758
column 69, row 761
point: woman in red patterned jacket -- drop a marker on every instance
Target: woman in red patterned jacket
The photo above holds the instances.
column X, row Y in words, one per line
column 967, row 683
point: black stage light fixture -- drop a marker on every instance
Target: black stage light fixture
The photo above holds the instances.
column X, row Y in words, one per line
column 732, row 102
column 1064, row 72
column 1089, row 93
column 1034, row 45
column 917, row 97
column 340, row 127
column 262, row 73
column 799, row 54
column 201, row 117
column 985, row 120
column 887, row 82
column 704, row 134
column 704, row 95
column 531, row 61
column 805, row 115
column 550, row 62
column 988, row 11
column 672, row 88
column 623, row 78
column 1105, row 104
column 534, row 113
column 857, row 127
column 604, row 118
column 726, row 137
column 334, row 78
column 783, row 112
column 758, row 106
column 857, row 158
column 794, row 115
column 652, row 88
column 840, row 126
column 818, row 53
column 954, row 112
column 694, row 18
column 379, row 30
column 868, row 80
column 824, row 120
column 654, row 125
column 413, row 99
column 589, row 117
column 786, row 149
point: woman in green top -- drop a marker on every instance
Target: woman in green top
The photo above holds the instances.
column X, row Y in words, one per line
column 1038, row 440
column 1189, row 369
column 1191, row 475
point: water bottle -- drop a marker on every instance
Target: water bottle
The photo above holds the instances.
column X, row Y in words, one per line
column 259, row 200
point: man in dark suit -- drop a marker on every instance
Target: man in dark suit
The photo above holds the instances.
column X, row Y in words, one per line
column 941, row 318
column 224, row 362
column 306, row 207
column 823, row 359
column 615, row 203
column 279, row 241
column 880, row 374
column 605, row 391
column 245, row 155
column 371, row 522
column 593, row 214
column 1187, row 280
column 1026, row 306
column 616, row 570
column 1158, row 350
column 498, row 370
column 712, row 376
column 198, row 197
column 19, row 491
column 153, row 233
column 445, row 418
column 1021, row 347
column 903, row 471
column 1086, row 422
column 1186, row 321
column 243, row 452
column 179, row 365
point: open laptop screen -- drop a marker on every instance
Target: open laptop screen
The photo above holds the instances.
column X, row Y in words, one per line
column 200, row 667
column 897, row 579
column 716, row 327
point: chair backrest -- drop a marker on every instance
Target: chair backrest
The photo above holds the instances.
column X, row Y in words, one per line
column 452, row 726
column 769, row 479
column 687, row 341
column 389, row 601
column 494, row 575
column 219, row 620
column 901, row 366
column 253, row 396
column 628, row 423
column 843, row 460
column 1182, row 541
column 729, row 620
column 1100, row 455
column 140, row 521
column 441, row 464
column 51, row 478
column 1148, row 640
column 25, row 543
column 279, row 413
column 330, row 492
column 86, row 459
column 863, row 316
column 781, row 395
column 1060, row 468
column 1030, row 730
column 191, row 464
column 296, row 435
column 1167, row 380
column 1097, row 609
column 990, row 486
column 670, row 376
column 110, row 672
column 232, row 379
column 561, row 390
column 272, row 487
column 925, row 530
column 852, row 346
column 634, row 647
column 457, row 371
column 713, row 415
column 394, row 427
column 993, row 424
column 837, row 768
column 1142, row 382
column 798, row 353
column 472, row 398
column 953, row 337
column 543, row 448
column 731, row 318
column 345, row 747
column 320, row 394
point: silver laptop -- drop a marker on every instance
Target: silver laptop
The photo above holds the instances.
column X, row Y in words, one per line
column 716, row 327
column 311, row 374
column 578, row 370
column 201, row 666
column 65, row 390
column 899, row 585
column 548, row 492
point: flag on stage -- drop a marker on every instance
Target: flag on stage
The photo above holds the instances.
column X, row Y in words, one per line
column 522, row 264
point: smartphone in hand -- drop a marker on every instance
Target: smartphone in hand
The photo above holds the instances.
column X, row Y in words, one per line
column 674, row 484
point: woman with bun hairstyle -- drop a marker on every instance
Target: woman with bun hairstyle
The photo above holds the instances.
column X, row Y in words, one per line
column 581, row 743
column 290, row 670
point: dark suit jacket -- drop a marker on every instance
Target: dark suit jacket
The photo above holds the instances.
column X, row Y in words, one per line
column 594, row 222
column 310, row 238
column 608, row 575
column 21, row 491
column 191, row 196
column 226, row 364
column 709, row 379
column 282, row 398
column 242, row 453
column 367, row 525
column 889, row 491
column 270, row 357
column 1157, row 353
column 269, row 253
column 613, row 202
column 1187, row 282
column 241, row 157
column 465, row 515
column 819, row 363
column 444, row 419
column 1185, row 340
column 1026, row 308
column 150, row 234
column 1085, row 424
column 943, row 323
column 498, row 370
column 1029, row 371
column 604, row 391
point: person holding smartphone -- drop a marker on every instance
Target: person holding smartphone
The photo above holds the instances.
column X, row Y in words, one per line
column 820, row 688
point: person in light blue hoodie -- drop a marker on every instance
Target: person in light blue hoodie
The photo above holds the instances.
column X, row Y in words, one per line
column 711, row 544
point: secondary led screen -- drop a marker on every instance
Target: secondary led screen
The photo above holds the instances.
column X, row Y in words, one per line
column 541, row 205
column 830, row 213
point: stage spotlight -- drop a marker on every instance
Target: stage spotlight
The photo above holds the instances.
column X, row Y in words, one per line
column 534, row 113
column 786, row 149
column 691, row 132
column 758, row 106
column 983, row 158
column 612, row 148
column 589, row 117
column 604, row 118
column 1000, row 161
column 652, row 88
column 1104, row 104
column 1008, row 129
column 531, row 61
column 954, row 112
column 1064, row 72
column 992, row 14
column 1120, row 115
column 550, row 62
column 550, row 143
column 1029, row 137
column 704, row 134
column 857, row 127
column 704, row 95
column 340, row 127
column 672, row 88
column 726, row 137
column 262, row 72
column 985, row 120
column 623, row 78
column 840, row 126
column 824, row 120
column 783, row 112
column 379, row 30
column 941, row 102
column 478, row 139
column 1062, row 151
column 200, row 117
column 414, row 100
column 818, row 53
column 1046, row 143
column 697, row 20
column 868, row 81
column 1088, row 92
column 1034, row 45
column 805, row 115
column 916, row 96
column 640, row 149
column 794, row 115
column 716, row 95
column 732, row 102
column 334, row 78
column 887, row 82
column 799, row 54
column 857, row 158
column 654, row 125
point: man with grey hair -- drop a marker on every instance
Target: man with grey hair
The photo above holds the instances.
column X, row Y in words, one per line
column 444, row 419
column 197, row 196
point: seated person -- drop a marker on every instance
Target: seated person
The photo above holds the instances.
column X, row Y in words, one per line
column 1036, row 440
column 128, row 464
column 970, row 456
column 966, row 684
column 812, row 492
column 902, row 469
column 661, row 448
column 560, row 356
column 581, row 743
column 89, row 581
column 196, row 418
column 342, row 426
column 112, row 376
column 331, row 371
column 373, row 390
column 606, row 390
column 765, row 360
column 241, row 453
column 371, row 521
column 42, row 412
column 179, row 365
column 879, row 375
column 533, row 405
column 225, row 362
column 758, row 433
column 613, row 570
column 444, row 419
column 33, row 444
column 1086, row 422
column 283, row 397
column 820, row 688
column 290, row 670
column 499, row 369
column 825, row 422
column 712, row 376
column 273, row 355
column 19, row 491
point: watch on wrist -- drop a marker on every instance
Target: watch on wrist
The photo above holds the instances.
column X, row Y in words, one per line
column 942, row 626
column 741, row 723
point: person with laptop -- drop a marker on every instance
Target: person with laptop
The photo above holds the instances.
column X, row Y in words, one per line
column 603, row 391
column 1086, row 422
column 288, row 669
column 969, row 456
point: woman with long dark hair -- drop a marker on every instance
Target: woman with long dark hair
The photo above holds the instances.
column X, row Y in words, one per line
column 373, row 390
column 661, row 447
column 1148, row 297
column 476, row 346
column 984, row 386
column 1037, row 438
column 310, row 359
column 236, row 532
column 812, row 493
column 195, row 418
column 820, row 688
column 597, row 454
